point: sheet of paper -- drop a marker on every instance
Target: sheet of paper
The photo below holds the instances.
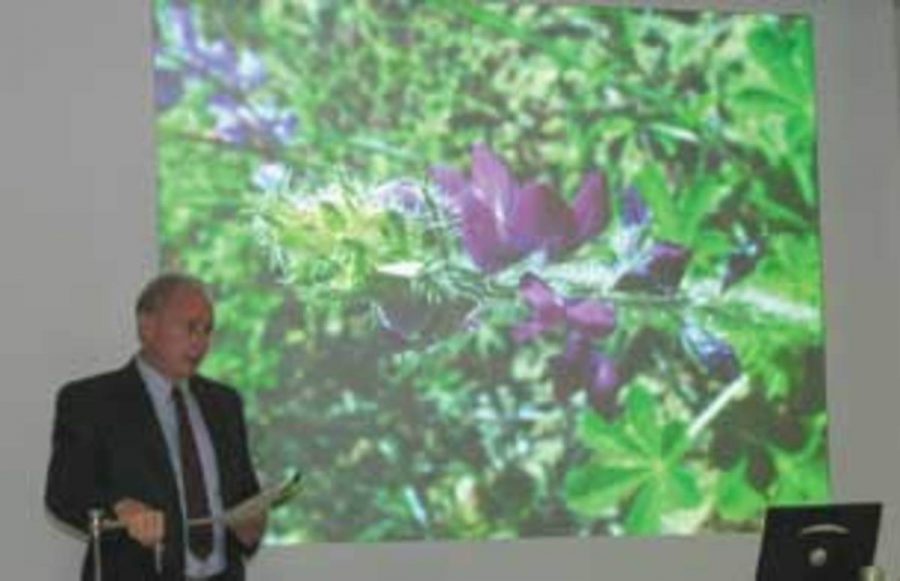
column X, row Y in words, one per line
column 266, row 499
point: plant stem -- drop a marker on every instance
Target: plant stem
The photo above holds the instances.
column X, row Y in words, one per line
column 717, row 405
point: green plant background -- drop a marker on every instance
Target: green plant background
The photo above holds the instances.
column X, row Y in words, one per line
column 711, row 116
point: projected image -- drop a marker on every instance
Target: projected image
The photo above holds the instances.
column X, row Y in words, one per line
column 492, row 271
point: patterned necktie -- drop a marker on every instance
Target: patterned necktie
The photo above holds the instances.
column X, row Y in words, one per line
column 200, row 537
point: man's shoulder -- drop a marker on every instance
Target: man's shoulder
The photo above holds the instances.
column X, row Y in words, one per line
column 99, row 383
column 216, row 388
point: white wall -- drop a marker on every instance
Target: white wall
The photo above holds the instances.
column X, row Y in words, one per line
column 76, row 233
column 77, row 238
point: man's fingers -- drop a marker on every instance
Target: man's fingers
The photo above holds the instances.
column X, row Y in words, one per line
column 250, row 531
column 144, row 524
column 151, row 528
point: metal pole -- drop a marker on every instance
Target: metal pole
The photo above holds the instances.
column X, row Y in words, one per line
column 98, row 526
column 96, row 529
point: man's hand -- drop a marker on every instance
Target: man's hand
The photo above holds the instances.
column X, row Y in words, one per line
column 144, row 524
column 249, row 530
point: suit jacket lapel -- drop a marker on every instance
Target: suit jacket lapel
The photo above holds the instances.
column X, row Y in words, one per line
column 138, row 408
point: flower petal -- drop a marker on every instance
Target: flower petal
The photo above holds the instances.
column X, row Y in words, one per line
column 635, row 212
column 491, row 181
column 659, row 272
column 545, row 304
column 570, row 369
column 223, row 100
column 714, row 355
column 251, row 72
column 593, row 318
column 486, row 245
column 481, row 238
column 220, row 59
column 539, row 219
column 524, row 332
column 604, row 385
column 667, row 264
column 590, row 209
column 402, row 195
column 450, row 181
column 168, row 88
column 280, row 128
column 742, row 262
column 183, row 27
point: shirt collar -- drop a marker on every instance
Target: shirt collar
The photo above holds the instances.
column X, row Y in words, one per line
column 159, row 386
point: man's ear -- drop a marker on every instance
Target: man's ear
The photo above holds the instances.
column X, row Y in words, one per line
column 144, row 322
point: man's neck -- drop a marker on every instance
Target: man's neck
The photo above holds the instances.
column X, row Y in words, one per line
column 149, row 361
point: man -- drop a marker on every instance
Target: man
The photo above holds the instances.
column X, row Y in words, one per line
column 153, row 445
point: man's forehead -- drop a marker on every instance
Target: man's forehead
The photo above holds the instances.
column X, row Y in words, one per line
column 190, row 300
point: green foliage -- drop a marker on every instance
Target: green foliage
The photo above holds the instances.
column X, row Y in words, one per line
column 639, row 463
column 376, row 357
column 736, row 500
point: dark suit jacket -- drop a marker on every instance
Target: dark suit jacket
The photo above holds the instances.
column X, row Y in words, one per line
column 108, row 445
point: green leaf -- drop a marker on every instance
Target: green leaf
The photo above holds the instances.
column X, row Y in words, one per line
column 675, row 441
column 803, row 475
column 736, row 500
column 798, row 134
column 593, row 489
column 698, row 202
column 774, row 53
column 675, row 132
column 653, row 184
column 332, row 216
column 639, row 461
column 612, row 127
column 763, row 101
column 804, row 54
column 644, row 518
column 642, row 421
column 682, row 490
column 801, row 482
column 767, row 203
column 607, row 441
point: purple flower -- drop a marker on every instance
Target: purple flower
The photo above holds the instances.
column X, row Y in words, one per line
column 742, row 262
column 584, row 321
column 581, row 367
column 183, row 28
column 712, row 354
column 570, row 370
column 250, row 73
column 635, row 213
column 239, row 123
column 404, row 196
column 591, row 319
column 216, row 59
column 168, row 88
column 605, row 381
column 502, row 220
column 271, row 177
column 659, row 271
column 237, row 71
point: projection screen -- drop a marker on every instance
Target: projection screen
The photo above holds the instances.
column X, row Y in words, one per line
column 497, row 271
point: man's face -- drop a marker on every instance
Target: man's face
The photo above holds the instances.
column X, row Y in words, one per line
column 175, row 337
